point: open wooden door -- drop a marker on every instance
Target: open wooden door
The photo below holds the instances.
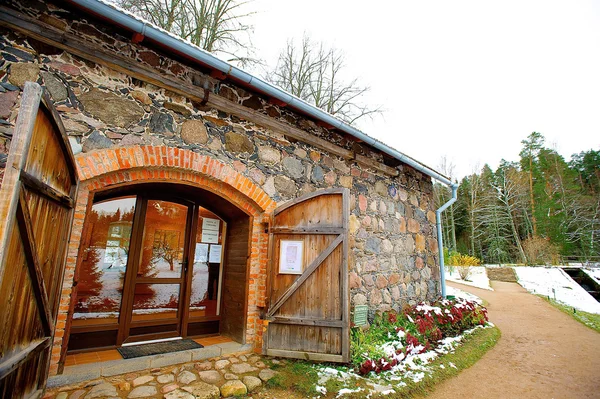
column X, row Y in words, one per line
column 36, row 211
column 308, row 309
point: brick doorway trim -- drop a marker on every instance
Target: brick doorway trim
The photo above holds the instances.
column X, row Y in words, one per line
column 108, row 168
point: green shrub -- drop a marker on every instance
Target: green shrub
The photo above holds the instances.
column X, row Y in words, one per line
column 462, row 262
column 458, row 259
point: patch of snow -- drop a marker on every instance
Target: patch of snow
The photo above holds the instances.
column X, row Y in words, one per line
column 416, row 377
column 555, row 283
column 593, row 272
column 322, row 390
column 428, row 309
column 382, row 389
column 415, row 367
column 463, row 294
column 336, row 373
column 389, row 348
column 478, row 277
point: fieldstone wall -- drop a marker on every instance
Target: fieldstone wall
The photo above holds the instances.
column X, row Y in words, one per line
column 393, row 257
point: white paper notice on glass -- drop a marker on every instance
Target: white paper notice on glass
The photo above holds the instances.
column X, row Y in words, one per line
column 201, row 255
column 209, row 236
column 210, row 224
column 291, row 257
column 215, row 254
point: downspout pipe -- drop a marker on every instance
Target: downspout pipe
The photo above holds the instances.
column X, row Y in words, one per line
column 168, row 40
column 438, row 222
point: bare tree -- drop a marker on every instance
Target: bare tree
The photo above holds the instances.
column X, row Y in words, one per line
column 441, row 195
column 584, row 223
column 510, row 185
column 447, row 168
column 217, row 26
column 490, row 227
column 313, row 73
column 474, row 189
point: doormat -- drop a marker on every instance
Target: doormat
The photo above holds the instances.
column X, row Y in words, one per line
column 129, row 352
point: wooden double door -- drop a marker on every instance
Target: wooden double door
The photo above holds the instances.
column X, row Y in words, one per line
column 150, row 269
column 36, row 212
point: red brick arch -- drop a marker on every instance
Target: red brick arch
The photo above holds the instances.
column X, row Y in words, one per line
column 159, row 163
column 102, row 169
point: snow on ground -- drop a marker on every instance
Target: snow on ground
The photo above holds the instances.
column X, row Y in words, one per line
column 414, row 368
column 593, row 272
column 477, row 277
column 555, row 283
column 463, row 294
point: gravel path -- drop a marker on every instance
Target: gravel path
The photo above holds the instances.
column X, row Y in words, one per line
column 543, row 353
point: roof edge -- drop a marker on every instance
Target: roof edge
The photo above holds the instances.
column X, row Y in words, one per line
column 136, row 24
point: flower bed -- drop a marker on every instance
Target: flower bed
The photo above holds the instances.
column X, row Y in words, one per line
column 394, row 340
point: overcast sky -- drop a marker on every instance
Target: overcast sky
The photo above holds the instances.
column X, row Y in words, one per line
column 464, row 79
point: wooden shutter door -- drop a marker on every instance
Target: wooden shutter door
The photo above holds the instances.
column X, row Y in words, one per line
column 36, row 211
column 308, row 313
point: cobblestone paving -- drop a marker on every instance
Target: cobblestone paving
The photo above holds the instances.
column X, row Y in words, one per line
column 230, row 376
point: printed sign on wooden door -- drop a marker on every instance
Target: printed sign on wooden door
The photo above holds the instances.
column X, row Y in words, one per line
column 308, row 313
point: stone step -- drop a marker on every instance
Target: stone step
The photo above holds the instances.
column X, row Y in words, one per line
column 76, row 374
column 506, row 274
column 234, row 375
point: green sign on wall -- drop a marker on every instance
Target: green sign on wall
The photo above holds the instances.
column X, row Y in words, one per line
column 360, row 315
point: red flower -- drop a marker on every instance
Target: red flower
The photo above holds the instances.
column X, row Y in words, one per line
column 392, row 317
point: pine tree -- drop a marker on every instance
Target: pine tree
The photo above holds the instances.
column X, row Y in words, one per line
column 529, row 156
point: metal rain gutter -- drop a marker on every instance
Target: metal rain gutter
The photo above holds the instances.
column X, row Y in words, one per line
column 170, row 41
column 130, row 22
column 438, row 222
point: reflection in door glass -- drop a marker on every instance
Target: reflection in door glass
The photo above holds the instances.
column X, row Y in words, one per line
column 155, row 301
column 164, row 235
column 104, row 260
column 207, row 264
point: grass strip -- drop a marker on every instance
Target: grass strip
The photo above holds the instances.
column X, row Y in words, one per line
column 295, row 375
column 590, row 320
column 471, row 349
column 300, row 377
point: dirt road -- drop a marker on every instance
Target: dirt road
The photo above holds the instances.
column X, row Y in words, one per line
column 543, row 353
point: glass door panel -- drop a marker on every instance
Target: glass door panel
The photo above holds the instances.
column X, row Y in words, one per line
column 155, row 301
column 206, row 270
column 133, row 282
column 159, row 280
column 164, row 240
column 104, row 262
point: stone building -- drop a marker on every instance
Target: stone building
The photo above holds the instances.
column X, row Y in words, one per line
column 170, row 140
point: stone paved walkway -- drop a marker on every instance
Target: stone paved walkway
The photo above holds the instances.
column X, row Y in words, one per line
column 230, row 376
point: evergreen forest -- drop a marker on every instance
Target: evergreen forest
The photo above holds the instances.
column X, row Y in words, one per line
column 540, row 210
